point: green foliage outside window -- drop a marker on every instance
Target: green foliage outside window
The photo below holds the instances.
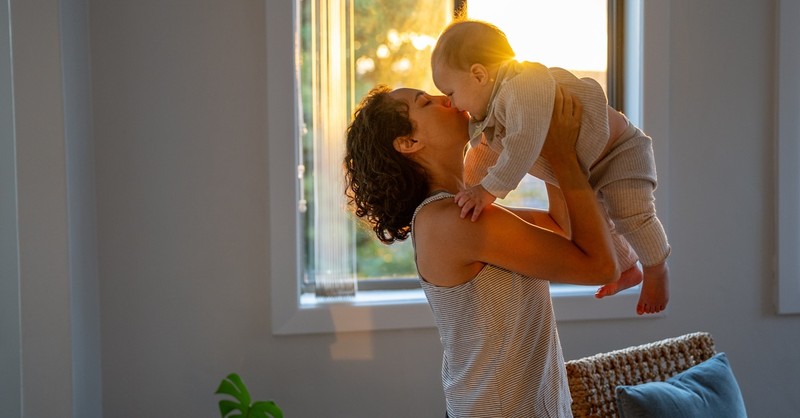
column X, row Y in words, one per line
column 391, row 44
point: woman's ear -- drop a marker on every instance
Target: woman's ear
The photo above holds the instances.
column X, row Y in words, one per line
column 479, row 73
column 406, row 144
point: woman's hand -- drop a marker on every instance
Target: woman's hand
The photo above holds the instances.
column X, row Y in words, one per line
column 564, row 127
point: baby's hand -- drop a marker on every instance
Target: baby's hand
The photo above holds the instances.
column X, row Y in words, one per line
column 474, row 199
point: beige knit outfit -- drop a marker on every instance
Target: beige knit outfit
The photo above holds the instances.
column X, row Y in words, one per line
column 515, row 128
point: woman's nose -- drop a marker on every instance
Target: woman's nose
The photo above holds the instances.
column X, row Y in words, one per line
column 444, row 100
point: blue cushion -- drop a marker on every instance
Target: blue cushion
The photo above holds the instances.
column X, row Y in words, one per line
column 708, row 389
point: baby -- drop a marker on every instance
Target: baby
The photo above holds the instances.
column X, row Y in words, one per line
column 510, row 104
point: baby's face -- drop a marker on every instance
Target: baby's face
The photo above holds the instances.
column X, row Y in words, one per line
column 467, row 92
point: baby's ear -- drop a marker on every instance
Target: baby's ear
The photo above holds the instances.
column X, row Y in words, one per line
column 479, row 73
column 405, row 144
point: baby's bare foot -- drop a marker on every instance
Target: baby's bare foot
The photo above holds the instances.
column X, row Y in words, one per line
column 629, row 278
column 655, row 290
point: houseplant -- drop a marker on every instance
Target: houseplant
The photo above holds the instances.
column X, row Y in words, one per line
column 235, row 387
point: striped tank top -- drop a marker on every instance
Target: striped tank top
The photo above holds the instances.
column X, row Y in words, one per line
column 502, row 356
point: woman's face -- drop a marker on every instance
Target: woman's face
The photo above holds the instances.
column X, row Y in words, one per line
column 435, row 121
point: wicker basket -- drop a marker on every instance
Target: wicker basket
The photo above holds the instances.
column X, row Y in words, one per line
column 593, row 380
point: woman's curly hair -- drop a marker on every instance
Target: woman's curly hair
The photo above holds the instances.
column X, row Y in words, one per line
column 382, row 185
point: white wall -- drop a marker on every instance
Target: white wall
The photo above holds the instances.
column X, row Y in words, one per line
column 179, row 104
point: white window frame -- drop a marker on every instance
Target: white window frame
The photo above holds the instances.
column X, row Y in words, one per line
column 788, row 157
column 647, row 77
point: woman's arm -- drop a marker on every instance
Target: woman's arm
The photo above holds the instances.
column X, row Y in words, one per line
column 585, row 224
column 555, row 219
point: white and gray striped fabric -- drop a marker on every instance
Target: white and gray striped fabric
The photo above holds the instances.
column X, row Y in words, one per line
column 502, row 356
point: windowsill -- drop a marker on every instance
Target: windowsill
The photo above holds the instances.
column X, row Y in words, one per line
column 370, row 311
column 407, row 309
column 365, row 298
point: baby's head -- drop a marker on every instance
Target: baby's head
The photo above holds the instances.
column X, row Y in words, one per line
column 465, row 62
column 465, row 42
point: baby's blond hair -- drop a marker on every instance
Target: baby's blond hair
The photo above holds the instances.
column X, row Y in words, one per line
column 465, row 42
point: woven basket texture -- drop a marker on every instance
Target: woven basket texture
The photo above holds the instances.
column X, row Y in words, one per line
column 593, row 380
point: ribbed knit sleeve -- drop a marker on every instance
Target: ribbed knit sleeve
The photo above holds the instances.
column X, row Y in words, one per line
column 594, row 133
column 522, row 108
column 518, row 119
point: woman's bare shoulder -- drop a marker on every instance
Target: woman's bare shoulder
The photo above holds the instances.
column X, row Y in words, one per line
column 436, row 215
column 445, row 244
column 445, row 216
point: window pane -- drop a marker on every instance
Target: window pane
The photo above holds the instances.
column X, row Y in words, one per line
column 386, row 42
column 392, row 45
column 393, row 42
column 538, row 31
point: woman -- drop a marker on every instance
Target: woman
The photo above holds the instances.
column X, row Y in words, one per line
column 486, row 281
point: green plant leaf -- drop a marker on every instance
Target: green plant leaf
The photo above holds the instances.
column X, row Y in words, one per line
column 227, row 406
column 226, row 387
column 265, row 409
column 234, row 386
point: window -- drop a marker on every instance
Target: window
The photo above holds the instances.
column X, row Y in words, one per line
column 341, row 66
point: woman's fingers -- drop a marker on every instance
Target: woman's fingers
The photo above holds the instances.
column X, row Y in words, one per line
column 567, row 106
column 570, row 108
column 577, row 108
column 564, row 125
column 558, row 106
